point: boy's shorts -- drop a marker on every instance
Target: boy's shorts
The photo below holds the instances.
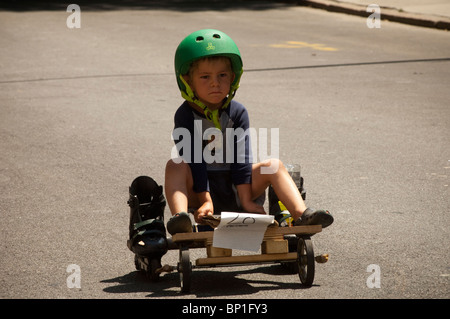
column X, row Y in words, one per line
column 224, row 194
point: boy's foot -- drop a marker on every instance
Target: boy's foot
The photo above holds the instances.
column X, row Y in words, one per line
column 318, row 217
column 179, row 223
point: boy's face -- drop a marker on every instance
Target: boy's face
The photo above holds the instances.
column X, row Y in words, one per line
column 211, row 80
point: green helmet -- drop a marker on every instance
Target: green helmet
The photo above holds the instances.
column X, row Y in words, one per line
column 206, row 43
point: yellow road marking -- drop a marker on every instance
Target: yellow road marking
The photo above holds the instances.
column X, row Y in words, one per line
column 300, row 44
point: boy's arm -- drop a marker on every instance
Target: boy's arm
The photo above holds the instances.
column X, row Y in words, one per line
column 184, row 119
column 245, row 197
column 241, row 168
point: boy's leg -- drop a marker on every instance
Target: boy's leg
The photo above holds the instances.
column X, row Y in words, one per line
column 179, row 195
column 179, row 187
column 272, row 172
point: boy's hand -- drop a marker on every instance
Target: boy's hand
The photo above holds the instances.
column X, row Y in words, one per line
column 206, row 206
column 204, row 210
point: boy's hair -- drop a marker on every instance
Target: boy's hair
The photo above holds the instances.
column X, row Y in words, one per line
column 195, row 63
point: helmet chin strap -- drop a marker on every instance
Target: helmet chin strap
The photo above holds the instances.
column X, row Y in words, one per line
column 211, row 115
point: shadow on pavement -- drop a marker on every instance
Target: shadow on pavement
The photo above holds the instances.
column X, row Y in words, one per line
column 206, row 283
column 176, row 5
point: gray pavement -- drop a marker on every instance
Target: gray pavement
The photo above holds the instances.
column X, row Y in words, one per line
column 84, row 111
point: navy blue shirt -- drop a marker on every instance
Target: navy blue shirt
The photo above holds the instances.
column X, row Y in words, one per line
column 207, row 149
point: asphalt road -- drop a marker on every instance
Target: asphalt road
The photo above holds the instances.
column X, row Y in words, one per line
column 84, row 111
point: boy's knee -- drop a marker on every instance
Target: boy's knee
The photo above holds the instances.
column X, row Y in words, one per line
column 175, row 165
column 271, row 166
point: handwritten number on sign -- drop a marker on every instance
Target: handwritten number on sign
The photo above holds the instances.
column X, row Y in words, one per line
column 245, row 221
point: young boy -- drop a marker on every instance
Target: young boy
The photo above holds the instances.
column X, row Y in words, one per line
column 214, row 171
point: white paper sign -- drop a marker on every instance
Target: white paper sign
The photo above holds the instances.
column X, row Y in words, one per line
column 241, row 231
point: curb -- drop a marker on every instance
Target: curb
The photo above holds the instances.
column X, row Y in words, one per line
column 391, row 14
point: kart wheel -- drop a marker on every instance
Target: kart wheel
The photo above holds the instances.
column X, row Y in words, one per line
column 151, row 273
column 305, row 261
column 185, row 270
column 136, row 262
column 291, row 266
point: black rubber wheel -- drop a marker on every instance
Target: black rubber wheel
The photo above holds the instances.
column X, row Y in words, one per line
column 291, row 266
column 305, row 261
column 185, row 270
column 136, row 263
column 151, row 273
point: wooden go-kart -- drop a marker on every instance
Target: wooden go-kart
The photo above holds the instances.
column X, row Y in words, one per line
column 291, row 246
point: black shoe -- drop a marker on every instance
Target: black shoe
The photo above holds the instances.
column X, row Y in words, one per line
column 179, row 223
column 318, row 217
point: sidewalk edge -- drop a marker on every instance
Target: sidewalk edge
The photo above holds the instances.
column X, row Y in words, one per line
column 391, row 14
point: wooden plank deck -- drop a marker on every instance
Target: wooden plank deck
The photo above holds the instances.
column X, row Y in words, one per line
column 204, row 239
column 271, row 232
column 245, row 259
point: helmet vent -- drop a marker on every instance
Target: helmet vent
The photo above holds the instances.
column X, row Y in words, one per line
column 199, row 39
column 217, row 36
